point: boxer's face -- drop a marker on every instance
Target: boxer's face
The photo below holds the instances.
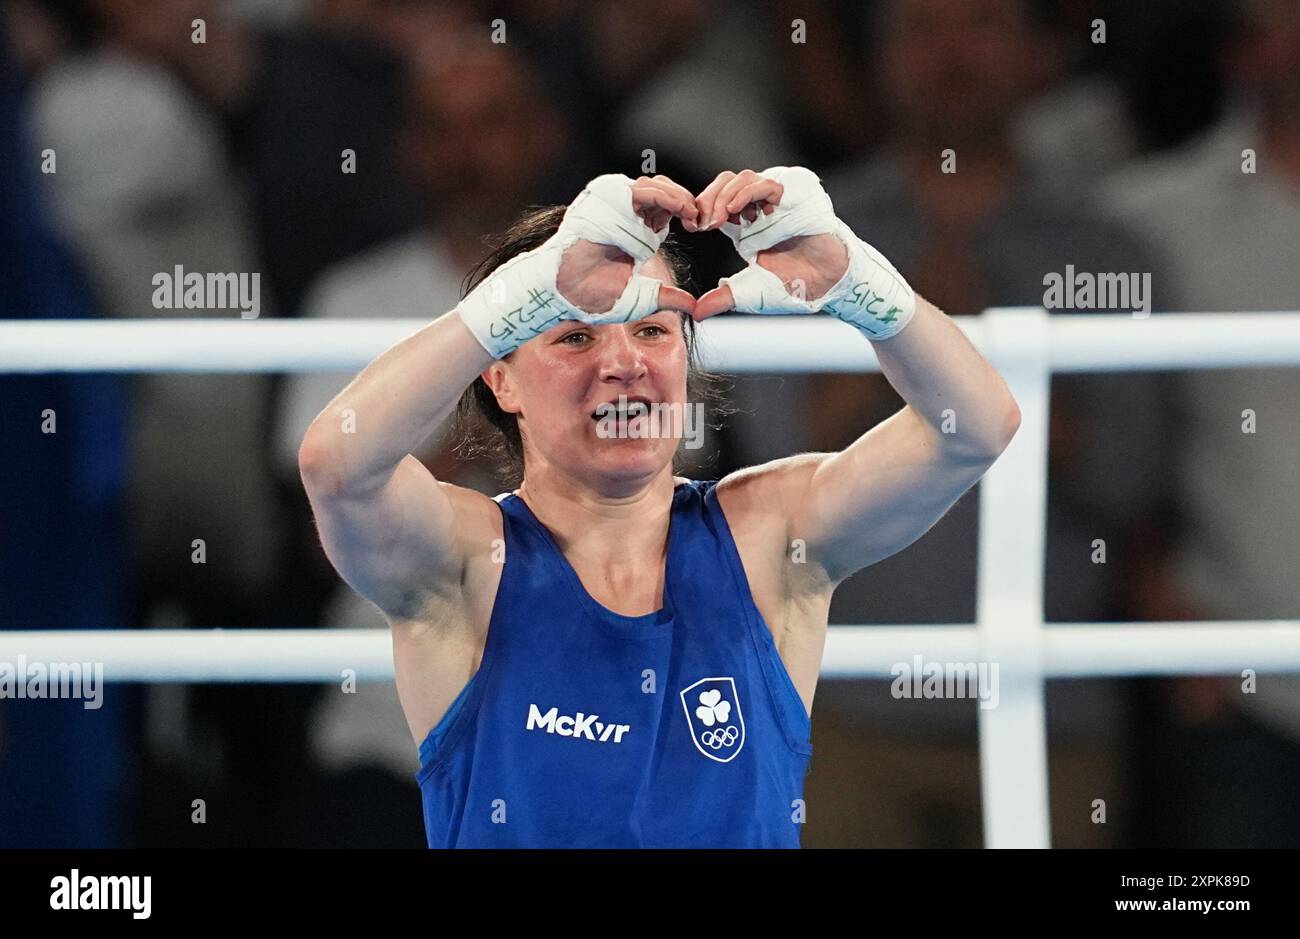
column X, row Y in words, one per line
column 557, row 382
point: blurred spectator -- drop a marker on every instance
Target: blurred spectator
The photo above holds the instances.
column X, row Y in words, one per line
column 1125, row 79
column 676, row 68
column 1073, row 134
column 1165, row 55
column 1078, row 124
column 1226, row 212
column 290, row 100
column 143, row 185
column 829, row 101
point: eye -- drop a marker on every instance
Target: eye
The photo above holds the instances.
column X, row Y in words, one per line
column 656, row 326
column 577, row 333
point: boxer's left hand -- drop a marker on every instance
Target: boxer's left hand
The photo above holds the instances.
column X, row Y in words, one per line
column 801, row 258
column 808, row 265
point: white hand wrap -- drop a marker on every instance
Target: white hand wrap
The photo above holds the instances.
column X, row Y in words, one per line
column 519, row 300
column 871, row 295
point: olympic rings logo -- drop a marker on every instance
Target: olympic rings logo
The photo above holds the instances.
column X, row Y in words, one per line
column 717, row 739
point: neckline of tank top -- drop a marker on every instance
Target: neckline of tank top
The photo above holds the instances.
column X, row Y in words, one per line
column 661, row 620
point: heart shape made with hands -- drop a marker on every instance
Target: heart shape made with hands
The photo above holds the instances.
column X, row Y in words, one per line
column 800, row 259
column 807, row 265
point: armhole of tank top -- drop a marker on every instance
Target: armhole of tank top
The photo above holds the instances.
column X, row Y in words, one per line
column 470, row 699
column 791, row 713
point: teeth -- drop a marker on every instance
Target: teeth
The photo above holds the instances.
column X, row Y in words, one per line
column 633, row 410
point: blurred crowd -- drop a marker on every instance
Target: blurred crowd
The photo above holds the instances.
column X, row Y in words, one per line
column 356, row 153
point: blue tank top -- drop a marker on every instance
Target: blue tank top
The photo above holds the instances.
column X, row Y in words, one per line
column 586, row 728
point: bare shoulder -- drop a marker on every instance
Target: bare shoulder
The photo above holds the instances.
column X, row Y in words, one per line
column 762, row 505
column 476, row 514
column 479, row 548
column 480, row 538
column 769, row 488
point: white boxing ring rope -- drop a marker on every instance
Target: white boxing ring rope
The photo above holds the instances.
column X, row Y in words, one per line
column 1081, row 650
column 1025, row 344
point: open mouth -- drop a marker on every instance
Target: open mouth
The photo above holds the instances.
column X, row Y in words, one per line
column 624, row 409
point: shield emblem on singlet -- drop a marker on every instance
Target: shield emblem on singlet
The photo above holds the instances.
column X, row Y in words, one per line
column 713, row 715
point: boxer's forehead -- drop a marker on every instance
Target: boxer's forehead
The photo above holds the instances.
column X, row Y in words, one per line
column 658, row 268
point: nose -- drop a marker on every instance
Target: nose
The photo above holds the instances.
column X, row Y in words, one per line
column 621, row 358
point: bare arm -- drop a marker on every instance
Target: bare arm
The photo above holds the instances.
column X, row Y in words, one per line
column 888, row 487
column 877, row 496
column 385, row 522
column 935, row 369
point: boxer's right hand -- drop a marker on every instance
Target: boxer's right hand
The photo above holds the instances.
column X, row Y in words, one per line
column 589, row 270
column 593, row 275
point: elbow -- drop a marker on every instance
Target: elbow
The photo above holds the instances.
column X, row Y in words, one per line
column 1011, row 424
column 316, row 466
column 983, row 448
column 994, row 442
column 330, row 469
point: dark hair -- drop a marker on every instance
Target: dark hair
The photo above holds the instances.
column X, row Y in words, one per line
column 483, row 429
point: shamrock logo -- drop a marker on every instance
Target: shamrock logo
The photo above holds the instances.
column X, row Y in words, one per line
column 712, row 709
column 716, row 719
